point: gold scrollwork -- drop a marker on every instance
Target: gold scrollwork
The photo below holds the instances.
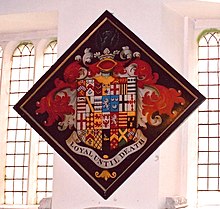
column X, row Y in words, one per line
column 105, row 175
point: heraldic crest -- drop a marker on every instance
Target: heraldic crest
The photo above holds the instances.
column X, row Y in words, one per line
column 108, row 103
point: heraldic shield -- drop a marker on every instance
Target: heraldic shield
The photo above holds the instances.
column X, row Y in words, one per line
column 106, row 112
column 108, row 103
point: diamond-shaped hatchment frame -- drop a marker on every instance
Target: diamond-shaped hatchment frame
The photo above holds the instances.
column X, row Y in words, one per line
column 108, row 103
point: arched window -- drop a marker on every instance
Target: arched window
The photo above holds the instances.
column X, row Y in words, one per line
column 28, row 160
column 18, row 132
column 209, row 118
column 45, row 152
column 50, row 55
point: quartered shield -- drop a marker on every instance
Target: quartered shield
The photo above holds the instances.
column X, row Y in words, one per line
column 106, row 112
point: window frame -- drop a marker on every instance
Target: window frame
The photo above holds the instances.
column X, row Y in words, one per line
column 207, row 196
column 24, row 51
column 197, row 27
column 40, row 42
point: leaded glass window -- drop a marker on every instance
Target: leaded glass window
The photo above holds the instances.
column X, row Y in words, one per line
column 45, row 152
column 18, row 132
column 29, row 159
column 209, row 116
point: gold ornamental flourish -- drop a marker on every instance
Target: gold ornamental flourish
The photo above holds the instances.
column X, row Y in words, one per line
column 105, row 175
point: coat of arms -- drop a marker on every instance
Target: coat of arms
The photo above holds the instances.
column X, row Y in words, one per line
column 108, row 103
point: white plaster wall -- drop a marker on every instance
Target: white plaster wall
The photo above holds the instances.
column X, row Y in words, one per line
column 161, row 29
column 170, row 164
column 71, row 191
column 159, row 176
